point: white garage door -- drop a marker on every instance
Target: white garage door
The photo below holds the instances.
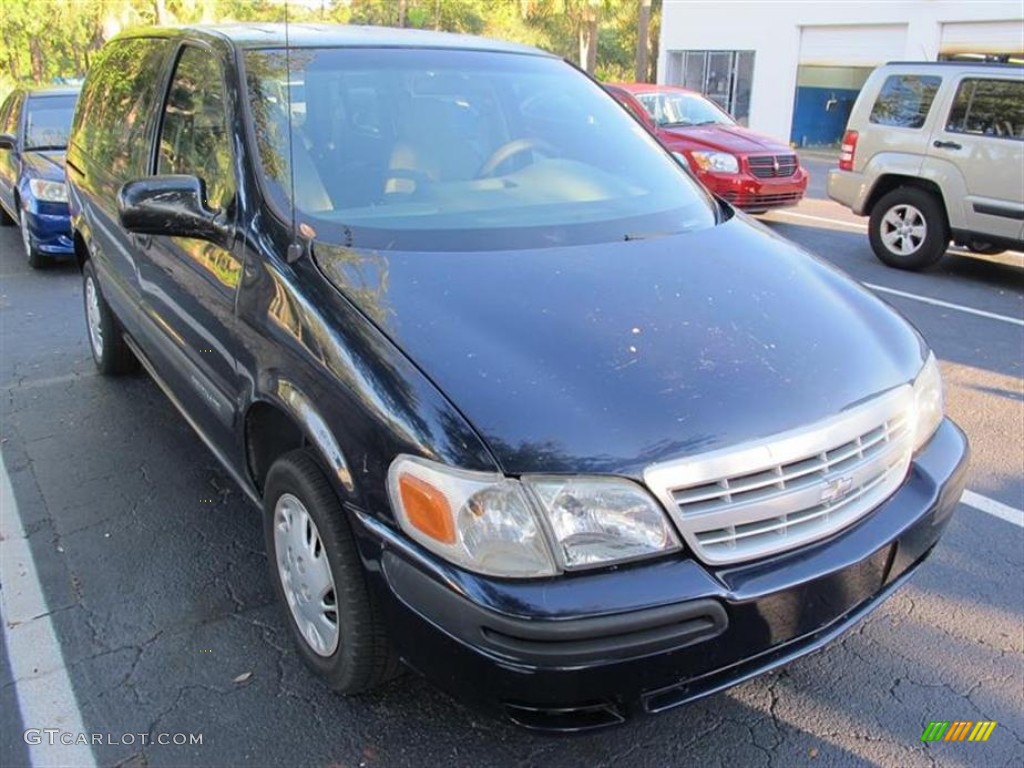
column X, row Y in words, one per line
column 852, row 45
column 983, row 37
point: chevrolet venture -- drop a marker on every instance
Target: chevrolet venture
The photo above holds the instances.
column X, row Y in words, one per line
column 525, row 408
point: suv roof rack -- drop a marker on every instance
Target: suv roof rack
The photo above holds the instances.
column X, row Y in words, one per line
column 955, row 63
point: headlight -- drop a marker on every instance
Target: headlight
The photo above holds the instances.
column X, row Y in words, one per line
column 716, row 162
column 479, row 520
column 596, row 521
column 538, row 526
column 49, row 191
column 928, row 406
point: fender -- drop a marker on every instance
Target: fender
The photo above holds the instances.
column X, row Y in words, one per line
column 878, row 167
column 300, row 408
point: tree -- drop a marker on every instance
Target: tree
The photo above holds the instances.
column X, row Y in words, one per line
column 48, row 40
column 588, row 35
column 643, row 21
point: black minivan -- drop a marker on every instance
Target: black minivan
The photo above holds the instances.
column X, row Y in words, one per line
column 524, row 407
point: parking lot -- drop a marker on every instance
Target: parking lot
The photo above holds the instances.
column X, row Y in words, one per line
column 152, row 567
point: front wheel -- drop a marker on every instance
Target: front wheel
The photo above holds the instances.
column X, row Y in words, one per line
column 317, row 574
column 908, row 229
column 110, row 352
column 35, row 258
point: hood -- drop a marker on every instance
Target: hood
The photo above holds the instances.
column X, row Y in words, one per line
column 728, row 138
column 606, row 358
column 48, row 164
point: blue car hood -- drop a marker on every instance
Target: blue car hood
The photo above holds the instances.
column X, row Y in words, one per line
column 606, row 358
column 48, row 164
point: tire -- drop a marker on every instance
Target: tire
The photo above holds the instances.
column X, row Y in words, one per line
column 322, row 560
column 908, row 229
column 110, row 352
column 36, row 259
column 6, row 220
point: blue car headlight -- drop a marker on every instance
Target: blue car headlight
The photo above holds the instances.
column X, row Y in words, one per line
column 49, row 191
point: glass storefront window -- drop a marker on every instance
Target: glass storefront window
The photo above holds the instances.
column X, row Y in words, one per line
column 725, row 77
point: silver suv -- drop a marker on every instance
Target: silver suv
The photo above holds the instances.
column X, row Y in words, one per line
column 934, row 152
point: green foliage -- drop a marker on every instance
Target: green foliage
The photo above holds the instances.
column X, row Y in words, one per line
column 48, row 41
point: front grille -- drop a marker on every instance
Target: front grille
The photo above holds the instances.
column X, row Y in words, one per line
column 783, row 492
column 772, row 166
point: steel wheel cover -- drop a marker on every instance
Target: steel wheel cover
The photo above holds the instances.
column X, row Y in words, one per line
column 93, row 317
column 305, row 575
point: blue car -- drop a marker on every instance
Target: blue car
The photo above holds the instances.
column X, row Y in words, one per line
column 34, row 127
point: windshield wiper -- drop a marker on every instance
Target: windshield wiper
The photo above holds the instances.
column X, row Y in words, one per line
column 630, row 236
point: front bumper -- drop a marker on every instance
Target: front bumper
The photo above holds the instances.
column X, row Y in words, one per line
column 49, row 228
column 750, row 193
column 589, row 650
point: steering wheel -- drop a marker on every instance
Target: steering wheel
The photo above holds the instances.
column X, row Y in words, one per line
column 509, row 150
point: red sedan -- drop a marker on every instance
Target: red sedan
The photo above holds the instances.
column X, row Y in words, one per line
column 752, row 171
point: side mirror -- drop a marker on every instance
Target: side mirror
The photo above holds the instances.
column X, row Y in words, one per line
column 7, row 141
column 169, row 205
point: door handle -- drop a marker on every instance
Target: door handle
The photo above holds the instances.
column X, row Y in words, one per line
column 143, row 241
column 946, row 145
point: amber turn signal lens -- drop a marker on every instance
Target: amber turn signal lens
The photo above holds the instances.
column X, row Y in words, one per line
column 427, row 509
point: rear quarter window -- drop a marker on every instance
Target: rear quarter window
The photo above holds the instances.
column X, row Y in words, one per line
column 116, row 106
column 905, row 100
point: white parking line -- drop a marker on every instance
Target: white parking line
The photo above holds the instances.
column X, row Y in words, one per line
column 994, row 508
column 809, row 217
column 45, row 696
column 946, row 304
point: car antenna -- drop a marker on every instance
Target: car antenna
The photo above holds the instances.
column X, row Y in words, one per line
column 295, row 248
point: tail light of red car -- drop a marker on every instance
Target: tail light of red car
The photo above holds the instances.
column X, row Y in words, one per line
column 847, row 151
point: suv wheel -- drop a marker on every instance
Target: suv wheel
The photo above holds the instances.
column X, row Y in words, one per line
column 36, row 259
column 908, row 229
column 318, row 575
column 110, row 352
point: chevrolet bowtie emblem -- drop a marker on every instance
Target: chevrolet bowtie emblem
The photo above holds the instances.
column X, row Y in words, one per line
column 835, row 489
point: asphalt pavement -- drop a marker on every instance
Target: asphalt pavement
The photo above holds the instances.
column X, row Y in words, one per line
column 152, row 567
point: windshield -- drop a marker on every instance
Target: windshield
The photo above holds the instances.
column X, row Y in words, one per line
column 682, row 109
column 48, row 122
column 425, row 149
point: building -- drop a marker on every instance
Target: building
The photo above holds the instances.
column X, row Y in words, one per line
column 793, row 69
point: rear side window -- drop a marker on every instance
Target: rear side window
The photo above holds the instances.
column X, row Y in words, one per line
column 905, row 100
column 988, row 108
column 116, row 104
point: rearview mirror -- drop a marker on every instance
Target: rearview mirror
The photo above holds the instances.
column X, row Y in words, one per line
column 7, row 141
column 168, row 205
